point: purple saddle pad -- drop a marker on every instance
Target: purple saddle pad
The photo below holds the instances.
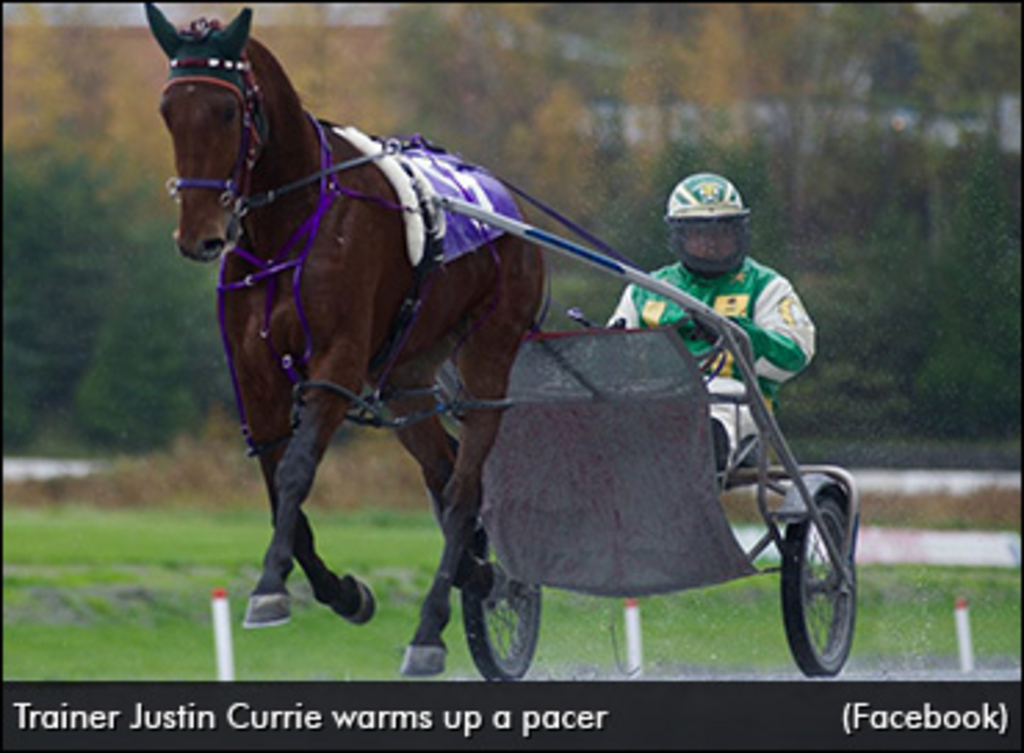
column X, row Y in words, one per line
column 450, row 175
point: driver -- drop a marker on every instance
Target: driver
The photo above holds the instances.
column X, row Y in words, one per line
column 709, row 232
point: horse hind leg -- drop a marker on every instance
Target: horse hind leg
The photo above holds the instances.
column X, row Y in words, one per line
column 348, row 596
column 410, row 388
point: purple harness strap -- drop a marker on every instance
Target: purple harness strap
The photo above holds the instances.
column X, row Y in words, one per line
column 269, row 269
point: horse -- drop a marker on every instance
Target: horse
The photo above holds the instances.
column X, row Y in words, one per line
column 315, row 287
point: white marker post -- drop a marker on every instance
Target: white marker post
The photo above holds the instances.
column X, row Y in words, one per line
column 963, row 635
column 222, row 636
column 634, row 650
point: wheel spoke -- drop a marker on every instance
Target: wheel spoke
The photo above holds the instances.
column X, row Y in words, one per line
column 502, row 627
column 818, row 603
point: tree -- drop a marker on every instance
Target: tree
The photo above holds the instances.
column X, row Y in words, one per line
column 140, row 389
column 597, row 110
column 57, row 258
column 970, row 55
column 970, row 383
column 873, row 318
column 42, row 91
column 105, row 327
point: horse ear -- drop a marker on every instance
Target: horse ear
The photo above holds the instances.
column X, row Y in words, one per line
column 236, row 34
column 163, row 30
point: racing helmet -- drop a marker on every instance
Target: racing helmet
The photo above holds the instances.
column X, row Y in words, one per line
column 709, row 227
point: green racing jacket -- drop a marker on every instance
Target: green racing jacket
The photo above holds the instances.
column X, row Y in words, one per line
column 756, row 297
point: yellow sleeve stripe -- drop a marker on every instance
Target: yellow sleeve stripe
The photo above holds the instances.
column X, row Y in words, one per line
column 652, row 313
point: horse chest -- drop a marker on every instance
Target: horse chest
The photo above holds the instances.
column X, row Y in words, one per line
column 263, row 329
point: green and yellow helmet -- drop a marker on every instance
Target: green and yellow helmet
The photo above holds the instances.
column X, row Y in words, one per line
column 709, row 206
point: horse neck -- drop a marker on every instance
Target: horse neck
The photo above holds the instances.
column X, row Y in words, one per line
column 291, row 152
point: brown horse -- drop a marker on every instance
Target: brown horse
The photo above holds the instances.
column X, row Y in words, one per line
column 315, row 295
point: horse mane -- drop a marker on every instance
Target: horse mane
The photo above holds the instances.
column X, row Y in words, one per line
column 272, row 79
column 293, row 141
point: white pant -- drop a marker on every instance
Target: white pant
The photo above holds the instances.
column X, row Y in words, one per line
column 736, row 418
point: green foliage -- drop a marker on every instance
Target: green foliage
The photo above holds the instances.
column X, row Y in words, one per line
column 143, row 400
column 59, row 239
column 103, row 323
column 872, row 317
column 904, row 247
column 970, row 381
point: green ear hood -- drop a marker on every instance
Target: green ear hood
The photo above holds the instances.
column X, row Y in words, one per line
column 204, row 49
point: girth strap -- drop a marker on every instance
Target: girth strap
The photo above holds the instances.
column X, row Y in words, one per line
column 409, row 310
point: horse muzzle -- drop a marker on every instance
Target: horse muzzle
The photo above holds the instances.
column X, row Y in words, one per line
column 209, row 246
column 206, row 250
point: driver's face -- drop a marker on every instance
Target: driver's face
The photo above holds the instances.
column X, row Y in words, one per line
column 714, row 241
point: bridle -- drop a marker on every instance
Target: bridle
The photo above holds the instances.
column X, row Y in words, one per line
column 237, row 77
column 235, row 189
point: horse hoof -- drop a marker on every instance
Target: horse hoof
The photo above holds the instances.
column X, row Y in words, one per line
column 367, row 604
column 423, row 661
column 267, row 610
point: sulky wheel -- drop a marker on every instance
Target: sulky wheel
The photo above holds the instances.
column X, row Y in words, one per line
column 817, row 606
column 501, row 627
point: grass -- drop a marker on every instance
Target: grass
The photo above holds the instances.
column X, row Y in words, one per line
column 123, row 594
column 370, row 471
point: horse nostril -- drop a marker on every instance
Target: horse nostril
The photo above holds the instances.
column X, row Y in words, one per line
column 206, row 250
column 212, row 247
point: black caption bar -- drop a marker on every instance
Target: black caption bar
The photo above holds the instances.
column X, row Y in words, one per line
column 523, row 716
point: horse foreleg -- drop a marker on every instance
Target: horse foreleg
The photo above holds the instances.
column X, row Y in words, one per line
column 435, row 450
column 270, row 603
column 431, row 447
column 293, row 536
column 461, row 506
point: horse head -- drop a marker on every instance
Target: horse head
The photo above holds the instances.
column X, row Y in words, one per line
column 210, row 106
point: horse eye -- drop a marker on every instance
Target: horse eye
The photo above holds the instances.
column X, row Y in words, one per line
column 229, row 113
